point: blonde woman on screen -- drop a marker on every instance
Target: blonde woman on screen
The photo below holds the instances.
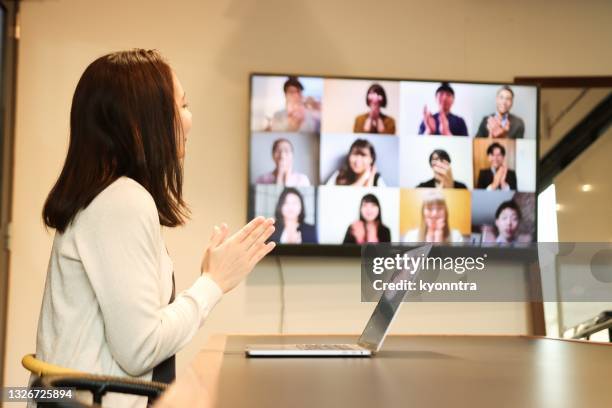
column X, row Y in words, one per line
column 109, row 305
column 434, row 222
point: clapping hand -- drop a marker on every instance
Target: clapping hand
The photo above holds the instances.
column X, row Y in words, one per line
column 443, row 174
column 429, row 121
column 444, row 125
column 228, row 260
column 499, row 180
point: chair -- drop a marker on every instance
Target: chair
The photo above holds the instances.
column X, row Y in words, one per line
column 51, row 376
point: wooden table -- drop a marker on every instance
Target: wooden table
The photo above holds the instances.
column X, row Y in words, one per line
column 410, row 371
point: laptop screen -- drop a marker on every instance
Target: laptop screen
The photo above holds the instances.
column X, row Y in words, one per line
column 375, row 331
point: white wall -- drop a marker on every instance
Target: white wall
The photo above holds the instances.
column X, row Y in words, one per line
column 213, row 45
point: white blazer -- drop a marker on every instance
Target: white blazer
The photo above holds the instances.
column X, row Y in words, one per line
column 105, row 305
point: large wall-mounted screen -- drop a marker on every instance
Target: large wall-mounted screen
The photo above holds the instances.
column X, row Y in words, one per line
column 345, row 161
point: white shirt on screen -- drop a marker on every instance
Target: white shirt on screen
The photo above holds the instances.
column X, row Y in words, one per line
column 332, row 181
column 413, row 236
column 293, row 180
column 105, row 306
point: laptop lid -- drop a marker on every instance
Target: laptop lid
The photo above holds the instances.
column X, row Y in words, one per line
column 375, row 331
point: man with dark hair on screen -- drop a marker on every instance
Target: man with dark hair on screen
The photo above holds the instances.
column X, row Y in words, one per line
column 440, row 161
column 443, row 122
column 299, row 115
column 502, row 124
column 498, row 176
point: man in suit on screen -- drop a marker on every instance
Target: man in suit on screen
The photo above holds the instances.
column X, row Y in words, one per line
column 498, row 176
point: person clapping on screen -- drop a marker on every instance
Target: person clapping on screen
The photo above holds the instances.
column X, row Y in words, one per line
column 434, row 222
column 502, row 124
column 283, row 174
column 369, row 227
column 375, row 121
column 498, row 176
column 299, row 115
column 443, row 122
column 440, row 161
column 290, row 225
column 359, row 168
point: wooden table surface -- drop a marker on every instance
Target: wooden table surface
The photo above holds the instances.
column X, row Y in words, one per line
column 411, row 370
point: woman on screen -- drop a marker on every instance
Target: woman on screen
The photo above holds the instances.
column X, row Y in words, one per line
column 359, row 167
column 290, row 225
column 374, row 121
column 283, row 174
column 109, row 305
column 434, row 222
column 369, row 227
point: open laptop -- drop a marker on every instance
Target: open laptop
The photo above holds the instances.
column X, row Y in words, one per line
column 373, row 335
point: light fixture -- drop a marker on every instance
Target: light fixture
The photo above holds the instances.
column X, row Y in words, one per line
column 586, row 187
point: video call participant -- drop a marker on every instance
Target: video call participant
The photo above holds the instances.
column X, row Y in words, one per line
column 375, row 121
column 498, row 176
column 443, row 122
column 359, row 168
column 502, row 124
column 283, row 174
column 290, row 215
column 507, row 221
column 369, row 227
column 434, row 222
column 299, row 115
column 440, row 161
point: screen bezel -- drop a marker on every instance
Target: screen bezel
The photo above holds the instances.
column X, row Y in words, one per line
column 354, row 250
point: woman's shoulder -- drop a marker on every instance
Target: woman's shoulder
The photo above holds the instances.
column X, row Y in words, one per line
column 362, row 117
column 411, row 235
column 301, row 180
column 456, row 236
column 333, row 178
column 123, row 200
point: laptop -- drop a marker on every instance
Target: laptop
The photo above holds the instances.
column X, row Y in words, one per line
column 373, row 335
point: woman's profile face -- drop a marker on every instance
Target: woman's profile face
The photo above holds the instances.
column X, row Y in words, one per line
column 283, row 154
column 292, row 207
column 360, row 160
column 184, row 113
column 507, row 224
column 435, row 216
column 369, row 211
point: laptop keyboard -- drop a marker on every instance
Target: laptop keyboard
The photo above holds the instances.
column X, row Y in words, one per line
column 328, row 347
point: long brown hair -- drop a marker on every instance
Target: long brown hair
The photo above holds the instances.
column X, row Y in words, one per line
column 346, row 175
column 123, row 122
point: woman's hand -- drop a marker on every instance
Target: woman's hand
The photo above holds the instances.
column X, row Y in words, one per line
column 358, row 231
column 229, row 260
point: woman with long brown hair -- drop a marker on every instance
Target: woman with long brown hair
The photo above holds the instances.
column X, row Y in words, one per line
column 359, row 167
column 109, row 305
